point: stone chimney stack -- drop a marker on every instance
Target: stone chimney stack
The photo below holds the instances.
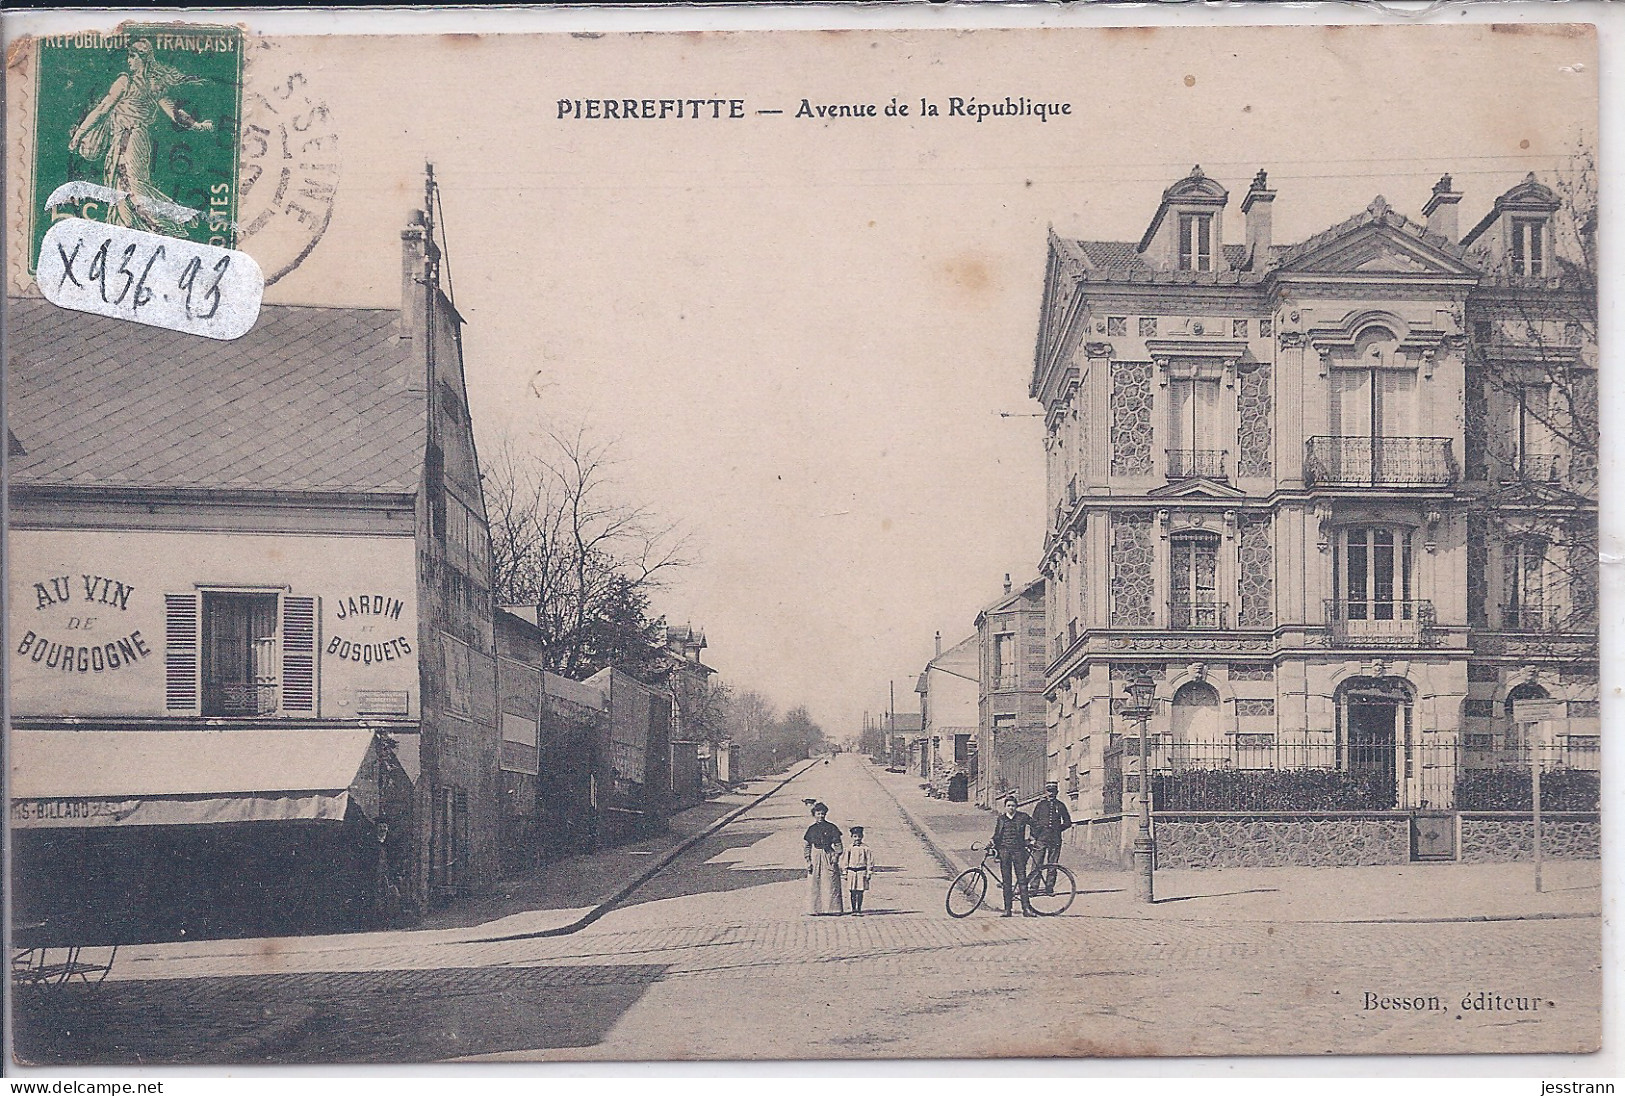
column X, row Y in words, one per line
column 1441, row 211
column 414, row 259
column 939, row 644
column 1259, row 209
column 1007, row 582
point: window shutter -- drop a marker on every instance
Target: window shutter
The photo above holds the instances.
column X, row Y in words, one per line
column 180, row 652
column 299, row 654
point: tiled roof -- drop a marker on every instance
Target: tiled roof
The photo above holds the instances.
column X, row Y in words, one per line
column 312, row 399
column 1120, row 260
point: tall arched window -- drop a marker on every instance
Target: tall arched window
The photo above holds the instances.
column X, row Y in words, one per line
column 1195, row 716
column 1193, row 582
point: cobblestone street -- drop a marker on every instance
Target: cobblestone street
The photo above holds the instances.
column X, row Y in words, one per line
column 716, row 958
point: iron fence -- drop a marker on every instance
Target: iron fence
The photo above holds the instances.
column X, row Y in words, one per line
column 1257, row 772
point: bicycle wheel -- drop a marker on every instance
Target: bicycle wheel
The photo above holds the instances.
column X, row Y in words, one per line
column 1047, row 900
column 966, row 892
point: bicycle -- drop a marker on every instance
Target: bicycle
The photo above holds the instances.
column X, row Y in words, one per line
column 969, row 888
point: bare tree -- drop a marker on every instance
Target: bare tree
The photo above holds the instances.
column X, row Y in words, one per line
column 1533, row 420
column 563, row 541
column 704, row 705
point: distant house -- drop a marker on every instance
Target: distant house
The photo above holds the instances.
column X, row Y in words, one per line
column 1010, row 698
column 947, row 688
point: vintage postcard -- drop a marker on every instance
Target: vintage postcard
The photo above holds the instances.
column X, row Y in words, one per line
column 1001, row 543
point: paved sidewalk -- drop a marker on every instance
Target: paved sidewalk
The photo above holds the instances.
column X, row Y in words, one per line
column 551, row 897
column 1395, row 893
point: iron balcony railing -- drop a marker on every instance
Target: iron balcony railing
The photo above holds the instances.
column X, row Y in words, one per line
column 1379, row 462
column 1533, row 618
column 1191, row 463
column 1379, row 623
column 1539, row 467
column 239, row 698
column 1194, row 615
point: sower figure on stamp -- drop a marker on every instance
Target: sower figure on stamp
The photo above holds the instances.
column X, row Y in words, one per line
column 1051, row 819
column 118, row 132
column 824, row 872
column 1011, row 833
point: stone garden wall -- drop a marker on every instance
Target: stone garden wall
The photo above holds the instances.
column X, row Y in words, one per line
column 1489, row 839
column 1270, row 842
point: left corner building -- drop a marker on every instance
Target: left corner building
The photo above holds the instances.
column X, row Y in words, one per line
column 253, row 686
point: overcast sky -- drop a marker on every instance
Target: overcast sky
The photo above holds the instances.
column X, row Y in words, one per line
column 805, row 335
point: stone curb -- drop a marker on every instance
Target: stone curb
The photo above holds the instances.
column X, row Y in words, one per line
column 952, row 864
column 646, row 874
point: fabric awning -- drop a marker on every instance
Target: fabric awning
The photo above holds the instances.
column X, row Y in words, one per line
column 81, row 779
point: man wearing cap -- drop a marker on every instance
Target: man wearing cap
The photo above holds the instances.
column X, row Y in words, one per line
column 1010, row 836
column 1050, row 820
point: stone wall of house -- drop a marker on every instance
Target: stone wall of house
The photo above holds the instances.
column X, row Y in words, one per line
column 1490, row 840
column 1278, row 842
column 1099, row 844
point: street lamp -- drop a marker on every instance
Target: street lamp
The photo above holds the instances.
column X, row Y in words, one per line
column 1141, row 692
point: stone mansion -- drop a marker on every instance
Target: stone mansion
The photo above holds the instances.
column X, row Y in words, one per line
column 1337, row 497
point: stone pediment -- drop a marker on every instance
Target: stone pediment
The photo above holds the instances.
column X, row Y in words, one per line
column 1377, row 249
column 1197, row 489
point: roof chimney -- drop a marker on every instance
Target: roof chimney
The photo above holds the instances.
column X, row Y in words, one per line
column 1258, row 208
column 939, row 644
column 1441, row 211
column 1007, row 582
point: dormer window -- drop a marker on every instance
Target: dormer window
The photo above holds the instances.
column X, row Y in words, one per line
column 1196, row 241
column 1528, row 250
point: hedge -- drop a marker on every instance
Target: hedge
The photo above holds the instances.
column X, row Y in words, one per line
column 1507, row 789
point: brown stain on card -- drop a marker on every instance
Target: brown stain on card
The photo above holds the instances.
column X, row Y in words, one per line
column 969, row 275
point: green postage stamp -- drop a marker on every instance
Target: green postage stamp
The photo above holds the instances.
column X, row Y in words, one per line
column 142, row 127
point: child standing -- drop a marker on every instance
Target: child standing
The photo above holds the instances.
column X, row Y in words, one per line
column 859, row 867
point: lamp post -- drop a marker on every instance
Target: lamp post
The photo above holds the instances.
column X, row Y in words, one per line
column 1141, row 691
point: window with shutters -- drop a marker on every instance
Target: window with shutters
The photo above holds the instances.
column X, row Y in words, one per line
column 237, row 653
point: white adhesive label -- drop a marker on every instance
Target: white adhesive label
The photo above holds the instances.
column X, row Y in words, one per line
column 160, row 281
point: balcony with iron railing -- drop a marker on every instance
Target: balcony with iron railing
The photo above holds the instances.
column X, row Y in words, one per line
column 1380, row 623
column 229, row 694
column 1533, row 619
column 1196, row 463
column 1198, row 615
column 237, row 698
column 1538, row 468
column 1347, row 461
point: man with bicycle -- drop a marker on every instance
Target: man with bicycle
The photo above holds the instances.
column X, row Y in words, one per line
column 1011, row 834
column 1051, row 819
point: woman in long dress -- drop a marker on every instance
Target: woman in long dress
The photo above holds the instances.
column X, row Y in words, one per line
column 118, row 132
column 824, row 863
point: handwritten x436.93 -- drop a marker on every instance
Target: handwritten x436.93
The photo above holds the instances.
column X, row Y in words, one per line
column 159, row 281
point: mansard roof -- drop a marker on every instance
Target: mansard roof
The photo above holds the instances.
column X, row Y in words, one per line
column 1529, row 196
column 1120, row 261
column 310, row 400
